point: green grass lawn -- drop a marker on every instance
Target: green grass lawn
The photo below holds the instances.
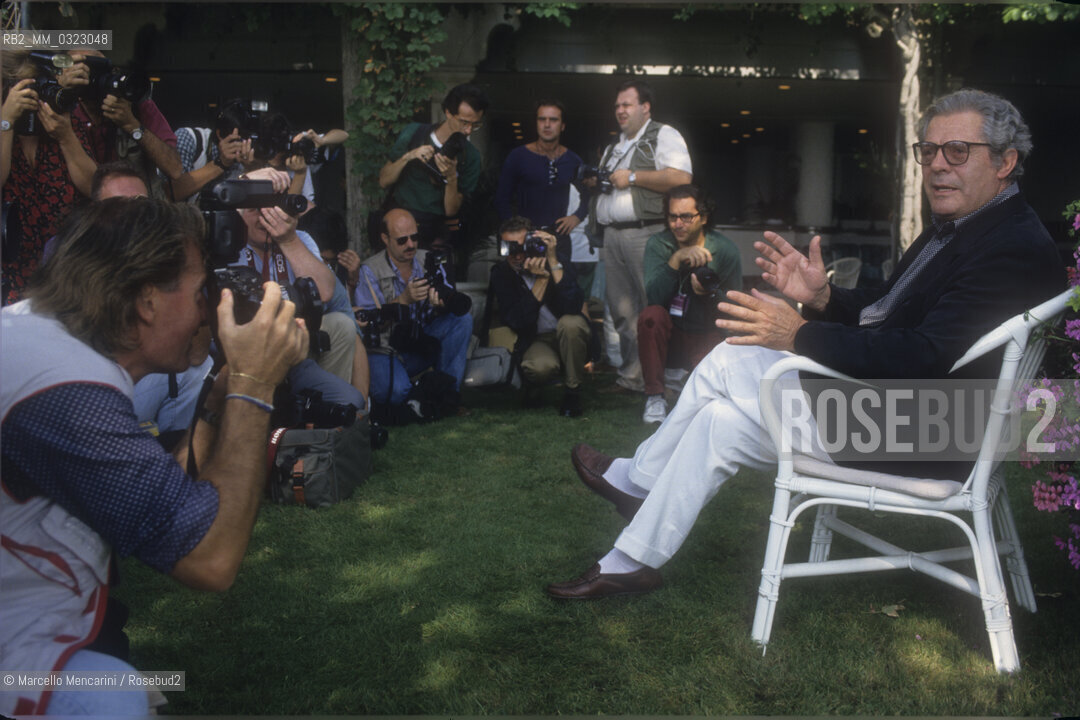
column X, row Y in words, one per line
column 423, row 594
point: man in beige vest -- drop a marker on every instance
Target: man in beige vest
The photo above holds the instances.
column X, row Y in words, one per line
column 648, row 159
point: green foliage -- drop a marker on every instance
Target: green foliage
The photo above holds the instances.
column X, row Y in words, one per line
column 559, row 11
column 815, row 14
column 396, row 60
column 1041, row 12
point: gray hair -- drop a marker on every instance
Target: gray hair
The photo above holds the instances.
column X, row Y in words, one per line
column 1003, row 127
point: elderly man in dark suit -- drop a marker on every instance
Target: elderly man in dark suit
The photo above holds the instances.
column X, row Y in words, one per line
column 985, row 258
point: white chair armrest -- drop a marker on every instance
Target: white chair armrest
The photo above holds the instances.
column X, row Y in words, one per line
column 770, row 411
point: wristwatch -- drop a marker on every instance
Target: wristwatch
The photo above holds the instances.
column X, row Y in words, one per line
column 4, row 126
column 137, row 133
column 632, row 179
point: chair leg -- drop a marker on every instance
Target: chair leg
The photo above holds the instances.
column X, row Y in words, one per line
column 775, row 549
column 1014, row 559
column 994, row 601
column 821, row 541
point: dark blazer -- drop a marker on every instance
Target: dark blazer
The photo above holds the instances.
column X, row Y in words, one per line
column 518, row 307
column 999, row 264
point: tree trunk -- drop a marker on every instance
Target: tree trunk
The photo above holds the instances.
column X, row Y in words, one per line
column 355, row 202
column 907, row 39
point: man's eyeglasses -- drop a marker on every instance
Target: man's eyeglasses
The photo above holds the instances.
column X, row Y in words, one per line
column 469, row 123
column 686, row 218
column 553, row 172
column 956, row 152
column 415, row 237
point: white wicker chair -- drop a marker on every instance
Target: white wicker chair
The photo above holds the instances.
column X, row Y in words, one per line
column 802, row 484
column 844, row 272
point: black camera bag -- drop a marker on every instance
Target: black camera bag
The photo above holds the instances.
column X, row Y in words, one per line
column 318, row 467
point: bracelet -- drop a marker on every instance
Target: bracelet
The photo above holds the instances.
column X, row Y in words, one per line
column 252, row 378
column 261, row 404
column 217, row 161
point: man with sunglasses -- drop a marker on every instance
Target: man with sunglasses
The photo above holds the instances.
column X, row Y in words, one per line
column 675, row 330
column 984, row 258
column 435, row 168
column 436, row 339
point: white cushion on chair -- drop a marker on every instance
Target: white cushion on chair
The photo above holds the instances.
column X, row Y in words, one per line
column 919, row 487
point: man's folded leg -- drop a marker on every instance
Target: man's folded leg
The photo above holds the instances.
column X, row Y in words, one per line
column 714, row 429
column 453, row 333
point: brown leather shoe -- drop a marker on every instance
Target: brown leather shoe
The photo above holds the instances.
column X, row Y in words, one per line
column 594, row 584
column 591, row 466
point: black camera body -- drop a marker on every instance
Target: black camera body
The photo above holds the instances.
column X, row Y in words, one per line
column 242, row 118
column 602, row 175
column 226, row 232
column 533, row 247
column 226, row 236
column 451, row 149
column 707, row 278
column 271, row 135
column 305, row 148
column 377, row 320
column 105, row 79
column 61, row 99
column 436, row 274
column 307, row 407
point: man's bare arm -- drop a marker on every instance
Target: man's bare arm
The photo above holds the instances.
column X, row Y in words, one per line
column 259, row 353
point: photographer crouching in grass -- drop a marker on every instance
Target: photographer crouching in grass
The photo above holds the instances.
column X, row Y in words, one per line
column 121, row 298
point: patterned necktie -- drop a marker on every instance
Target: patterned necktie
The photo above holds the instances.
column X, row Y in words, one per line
column 875, row 313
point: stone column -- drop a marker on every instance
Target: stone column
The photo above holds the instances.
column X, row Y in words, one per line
column 814, row 200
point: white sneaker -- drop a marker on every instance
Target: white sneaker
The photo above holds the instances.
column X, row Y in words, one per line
column 655, row 409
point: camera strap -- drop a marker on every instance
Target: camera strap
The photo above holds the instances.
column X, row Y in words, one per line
column 280, row 265
column 208, row 383
column 393, row 353
column 374, row 297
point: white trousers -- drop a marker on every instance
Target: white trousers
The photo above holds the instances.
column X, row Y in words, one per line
column 714, row 429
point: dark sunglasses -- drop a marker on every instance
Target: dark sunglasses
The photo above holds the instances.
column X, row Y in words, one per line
column 415, row 237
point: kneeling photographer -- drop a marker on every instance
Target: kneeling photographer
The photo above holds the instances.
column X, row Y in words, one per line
column 405, row 293
column 122, row 297
column 688, row 269
column 276, row 250
column 540, row 304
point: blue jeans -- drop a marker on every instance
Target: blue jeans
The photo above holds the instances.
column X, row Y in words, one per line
column 453, row 334
column 97, row 702
column 309, row 376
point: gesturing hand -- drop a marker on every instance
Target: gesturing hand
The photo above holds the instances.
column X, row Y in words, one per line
column 759, row 319
column 797, row 276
